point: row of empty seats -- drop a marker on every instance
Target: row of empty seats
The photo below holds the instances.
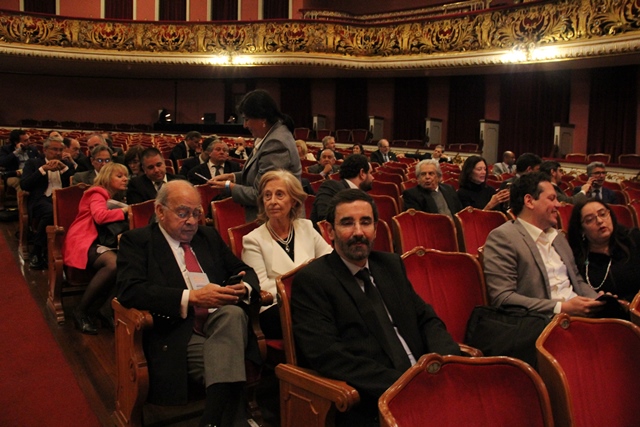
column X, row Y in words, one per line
column 623, row 159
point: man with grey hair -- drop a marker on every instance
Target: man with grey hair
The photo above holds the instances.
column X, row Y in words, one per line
column 40, row 177
column 100, row 156
column 177, row 270
column 383, row 154
column 430, row 195
column 597, row 173
column 330, row 143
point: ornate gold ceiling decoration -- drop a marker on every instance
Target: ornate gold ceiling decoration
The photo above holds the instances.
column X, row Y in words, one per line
column 536, row 32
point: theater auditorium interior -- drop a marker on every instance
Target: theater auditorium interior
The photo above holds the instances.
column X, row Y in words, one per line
column 560, row 79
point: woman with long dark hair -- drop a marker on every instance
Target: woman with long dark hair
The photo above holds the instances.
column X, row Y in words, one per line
column 474, row 190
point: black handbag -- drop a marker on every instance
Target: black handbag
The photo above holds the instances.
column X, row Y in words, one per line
column 506, row 331
column 108, row 233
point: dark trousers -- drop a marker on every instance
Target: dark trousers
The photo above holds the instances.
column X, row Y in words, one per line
column 42, row 214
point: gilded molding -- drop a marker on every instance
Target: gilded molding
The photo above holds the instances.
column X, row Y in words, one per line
column 539, row 32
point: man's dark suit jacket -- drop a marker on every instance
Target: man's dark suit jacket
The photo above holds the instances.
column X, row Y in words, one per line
column 232, row 152
column 319, row 168
column 377, row 157
column 149, row 279
column 181, row 151
column 203, row 169
column 141, row 189
column 36, row 183
column 338, row 334
column 608, row 196
column 83, row 162
column 189, row 164
column 326, row 191
column 10, row 162
column 421, row 200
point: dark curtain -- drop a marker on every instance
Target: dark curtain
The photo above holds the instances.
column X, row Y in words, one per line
column 118, row 9
column 234, row 90
column 295, row 100
column 173, row 10
column 275, row 9
column 530, row 103
column 613, row 111
column 224, row 10
column 466, row 109
column 40, row 6
column 351, row 104
column 410, row 103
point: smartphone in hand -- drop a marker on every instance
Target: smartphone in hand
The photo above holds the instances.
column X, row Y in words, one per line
column 235, row 279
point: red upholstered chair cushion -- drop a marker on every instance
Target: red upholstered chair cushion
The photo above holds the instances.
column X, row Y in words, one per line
column 432, row 231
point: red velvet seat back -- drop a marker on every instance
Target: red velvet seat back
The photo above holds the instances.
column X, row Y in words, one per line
column 452, row 282
column 387, row 188
column 226, row 214
column 237, row 233
column 623, row 214
column 140, row 214
column 207, row 194
column 564, row 215
column 476, row 224
column 387, row 207
column 65, row 204
column 432, row 231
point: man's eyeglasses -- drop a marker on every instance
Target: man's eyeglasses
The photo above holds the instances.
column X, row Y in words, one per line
column 599, row 173
column 602, row 214
column 103, row 160
column 184, row 213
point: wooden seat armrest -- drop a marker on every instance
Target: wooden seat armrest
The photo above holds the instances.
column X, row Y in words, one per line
column 467, row 350
column 338, row 392
column 55, row 238
column 266, row 299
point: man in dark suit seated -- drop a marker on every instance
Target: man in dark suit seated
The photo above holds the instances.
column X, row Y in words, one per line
column 145, row 187
column 40, row 177
column 355, row 314
column 355, row 172
column 240, row 150
column 175, row 268
column 218, row 164
column 190, row 147
column 597, row 173
column 191, row 162
column 100, row 156
column 330, row 143
column 74, row 155
column 383, row 154
column 15, row 154
column 327, row 164
column 430, row 195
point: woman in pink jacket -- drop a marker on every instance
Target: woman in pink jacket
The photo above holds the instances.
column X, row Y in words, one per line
column 82, row 250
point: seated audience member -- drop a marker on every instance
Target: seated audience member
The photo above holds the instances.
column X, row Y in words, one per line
column 507, row 165
column 303, row 151
column 133, row 160
column 174, row 269
column 191, row 162
column 430, row 195
column 607, row 254
column 116, row 152
column 357, row 149
column 282, row 242
column 383, row 153
column 15, row 154
column 74, row 155
column 438, row 154
column 100, row 156
column 42, row 175
column 326, row 166
column 597, row 173
column 474, row 190
column 190, row 147
column 355, row 172
column 330, row 143
column 94, row 140
column 82, row 249
column 218, row 164
column 240, row 150
column 355, row 315
column 554, row 170
column 528, row 263
column 526, row 163
column 146, row 186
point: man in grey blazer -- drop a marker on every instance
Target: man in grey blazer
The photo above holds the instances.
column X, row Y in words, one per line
column 528, row 263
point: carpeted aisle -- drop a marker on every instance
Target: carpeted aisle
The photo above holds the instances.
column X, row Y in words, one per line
column 37, row 386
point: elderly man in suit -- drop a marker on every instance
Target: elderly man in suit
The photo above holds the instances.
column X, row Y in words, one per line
column 15, row 154
column 327, row 164
column 217, row 164
column 355, row 172
column 74, row 155
column 355, row 314
column 383, row 154
column 329, row 142
column 100, row 156
column 597, row 173
column 528, row 263
column 190, row 147
column 175, row 268
column 145, row 187
column 40, row 177
column 191, row 162
column 430, row 195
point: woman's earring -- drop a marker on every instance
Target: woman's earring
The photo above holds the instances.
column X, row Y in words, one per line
column 584, row 237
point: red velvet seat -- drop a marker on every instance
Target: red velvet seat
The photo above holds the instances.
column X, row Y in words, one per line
column 226, row 214
column 634, row 309
column 599, row 157
column 343, row 135
column 302, row 133
column 591, row 368
column 321, row 133
column 629, row 159
column 432, row 231
column 387, row 207
column 624, row 215
column 475, row 225
column 360, row 136
column 237, row 233
column 386, row 188
column 564, row 214
column 453, row 391
column 140, row 214
column 575, row 157
column 382, row 176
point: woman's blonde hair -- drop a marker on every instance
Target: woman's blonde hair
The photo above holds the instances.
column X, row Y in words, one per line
column 107, row 172
column 300, row 143
column 293, row 186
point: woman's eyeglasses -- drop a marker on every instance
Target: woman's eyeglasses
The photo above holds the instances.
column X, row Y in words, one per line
column 602, row 214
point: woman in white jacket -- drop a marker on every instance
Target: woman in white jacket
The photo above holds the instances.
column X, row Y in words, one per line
column 283, row 242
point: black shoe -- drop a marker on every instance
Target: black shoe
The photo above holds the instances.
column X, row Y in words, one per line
column 38, row 262
column 106, row 321
column 84, row 323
